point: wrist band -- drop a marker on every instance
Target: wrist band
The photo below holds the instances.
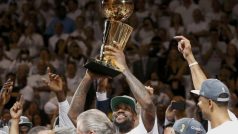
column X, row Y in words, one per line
column 192, row 64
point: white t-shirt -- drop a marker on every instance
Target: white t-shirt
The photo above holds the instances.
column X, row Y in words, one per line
column 64, row 120
column 231, row 115
column 140, row 129
column 186, row 13
column 74, row 15
column 28, row 93
column 74, row 82
column 213, row 16
column 173, row 32
column 197, row 27
column 35, row 81
column 34, row 43
column 53, row 40
column 230, row 127
column 214, row 62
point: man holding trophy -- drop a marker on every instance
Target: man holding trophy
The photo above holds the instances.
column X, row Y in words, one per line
column 126, row 117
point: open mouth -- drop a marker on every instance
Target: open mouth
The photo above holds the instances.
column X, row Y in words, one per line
column 121, row 117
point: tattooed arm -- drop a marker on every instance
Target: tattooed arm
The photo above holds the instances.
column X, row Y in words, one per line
column 138, row 89
column 79, row 98
column 143, row 97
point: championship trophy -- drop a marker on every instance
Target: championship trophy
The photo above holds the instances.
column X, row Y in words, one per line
column 116, row 11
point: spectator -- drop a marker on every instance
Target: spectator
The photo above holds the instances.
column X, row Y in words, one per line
column 176, row 25
column 73, row 76
column 73, row 10
column 145, row 32
column 216, row 12
column 31, row 40
column 199, row 25
column 4, row 62
column 231, row 58
column 185, row 10
column 143, row 67
column 57, row 35
column 213, row 53
column 68, row 24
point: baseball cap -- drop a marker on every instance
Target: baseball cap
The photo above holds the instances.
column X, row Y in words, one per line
column 123, row 100
column 188, row 126
column 213, row 89
column 24, row 121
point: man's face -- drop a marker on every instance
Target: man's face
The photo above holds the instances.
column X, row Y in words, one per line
column 124, row 117
column 203, row 104
column 24, row 129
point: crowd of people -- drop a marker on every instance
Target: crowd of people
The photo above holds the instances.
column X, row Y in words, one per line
column 169, row 83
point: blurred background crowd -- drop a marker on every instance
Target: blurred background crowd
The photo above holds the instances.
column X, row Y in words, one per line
column 62, row 34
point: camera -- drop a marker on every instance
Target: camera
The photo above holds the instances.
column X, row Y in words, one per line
column 178, row 105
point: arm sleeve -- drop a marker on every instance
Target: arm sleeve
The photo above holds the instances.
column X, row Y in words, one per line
column 64, row 120
column 103, row 103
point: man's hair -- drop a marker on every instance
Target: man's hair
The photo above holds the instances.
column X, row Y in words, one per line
column 222, row 104
column 37, row 129
column 96, row 121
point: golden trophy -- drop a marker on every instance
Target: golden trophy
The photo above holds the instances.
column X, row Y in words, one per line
column 116, row 11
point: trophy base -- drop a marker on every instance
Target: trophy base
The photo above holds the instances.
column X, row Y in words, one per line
column 101, row 67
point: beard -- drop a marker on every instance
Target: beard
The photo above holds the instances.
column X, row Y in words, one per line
column 124, row 126
column 202, row 114
column 205, row 116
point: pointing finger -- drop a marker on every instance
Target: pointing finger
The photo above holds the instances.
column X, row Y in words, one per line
column 179, row 38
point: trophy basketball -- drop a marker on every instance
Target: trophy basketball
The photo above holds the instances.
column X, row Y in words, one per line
column 116, row 11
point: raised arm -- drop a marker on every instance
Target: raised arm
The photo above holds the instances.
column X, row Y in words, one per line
column 5, row 93
column 16, row 112
column 138, row 89
column 103, row 102
column 58, row 85
column 78, row 101
column 198, row 75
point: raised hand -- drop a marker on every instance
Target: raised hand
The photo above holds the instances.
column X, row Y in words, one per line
column 170, row 113
column 5, row 93
column 55, row 82
column 17, row 108
column 150, row 89
column 118, row 55
column 184, row 46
